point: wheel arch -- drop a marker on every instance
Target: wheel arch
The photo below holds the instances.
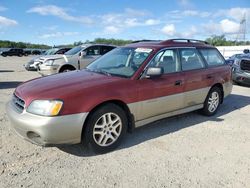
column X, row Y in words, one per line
column 66, row 66
column 122, row 105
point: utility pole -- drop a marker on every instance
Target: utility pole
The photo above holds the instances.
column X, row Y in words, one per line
column 241, row 35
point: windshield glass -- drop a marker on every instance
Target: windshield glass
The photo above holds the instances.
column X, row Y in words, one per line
column 74, row 50
column 123, row 62
column 51, row 51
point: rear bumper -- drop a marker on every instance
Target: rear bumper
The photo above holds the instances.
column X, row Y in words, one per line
column 227, row 88
column 241, row 77
column 47, row 131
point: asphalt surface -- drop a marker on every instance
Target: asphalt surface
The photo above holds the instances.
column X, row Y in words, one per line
column 188, row 150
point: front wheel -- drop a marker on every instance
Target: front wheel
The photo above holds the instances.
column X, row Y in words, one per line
column 106, row 128
column 212, row 101
column 66, row 69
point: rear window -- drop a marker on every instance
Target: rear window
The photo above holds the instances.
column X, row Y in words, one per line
column 212, row 57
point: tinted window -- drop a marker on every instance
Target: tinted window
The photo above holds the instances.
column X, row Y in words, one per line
column 168, row 60
column 93, row 50
column 212, row 57
column 105, row 49
column 190, row 59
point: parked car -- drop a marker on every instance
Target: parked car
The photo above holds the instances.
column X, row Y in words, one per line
column 76, row 58
column 32, row 64
column 27, row 52
column 230, row 60
column 13, row 52
column 241, row 70
column 126, row 88
column 36, row 52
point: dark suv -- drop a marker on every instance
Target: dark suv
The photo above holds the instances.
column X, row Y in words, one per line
column 127, row 87
column 13, row 52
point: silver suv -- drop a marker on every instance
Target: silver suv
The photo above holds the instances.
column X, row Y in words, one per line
column 76, row 58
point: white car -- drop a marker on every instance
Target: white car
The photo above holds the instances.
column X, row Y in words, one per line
column 76, row 58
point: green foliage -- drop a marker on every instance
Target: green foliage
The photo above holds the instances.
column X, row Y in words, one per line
column 118, row 42
column 12, row 44
column 220, row 40
column 216, row 40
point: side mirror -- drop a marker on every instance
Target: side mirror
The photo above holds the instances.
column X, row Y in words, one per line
column 154, row 72
column 82, row 54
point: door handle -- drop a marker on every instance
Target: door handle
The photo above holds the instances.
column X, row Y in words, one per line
column 209, row 76
column 178, row 82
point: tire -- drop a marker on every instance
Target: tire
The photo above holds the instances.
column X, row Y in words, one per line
column 212, row 101
column 66, row 69
column 105, row 128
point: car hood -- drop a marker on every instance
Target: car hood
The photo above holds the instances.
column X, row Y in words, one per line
column 54, row 57
column 62, row 85
column 57, row 56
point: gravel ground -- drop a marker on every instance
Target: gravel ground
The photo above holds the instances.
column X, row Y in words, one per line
column 189, row 150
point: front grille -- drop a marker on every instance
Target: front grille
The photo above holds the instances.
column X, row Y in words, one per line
column 18, row 103
column 245, row 64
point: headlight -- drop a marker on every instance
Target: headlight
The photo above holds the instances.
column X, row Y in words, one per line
column 237, row 62
column 45, row 107
column 49, row 62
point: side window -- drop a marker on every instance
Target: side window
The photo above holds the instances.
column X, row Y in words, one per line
column 212, row 57
column 190, row 59
column 93, row 50
column 105, row 49
column 168, row 60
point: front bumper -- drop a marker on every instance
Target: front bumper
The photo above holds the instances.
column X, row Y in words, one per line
column 47, row 131
column 29, row 68
column 241, row 77
column 45, row 70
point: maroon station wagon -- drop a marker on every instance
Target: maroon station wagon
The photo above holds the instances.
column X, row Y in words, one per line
column 128, row 87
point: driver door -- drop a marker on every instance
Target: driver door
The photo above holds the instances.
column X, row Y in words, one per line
column 163, row 94
column 92, row 53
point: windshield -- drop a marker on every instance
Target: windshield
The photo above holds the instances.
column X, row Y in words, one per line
column 74, row 50
column 123, row 62
column 51, row 51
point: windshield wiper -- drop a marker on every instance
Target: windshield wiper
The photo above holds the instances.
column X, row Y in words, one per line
column 100, row 71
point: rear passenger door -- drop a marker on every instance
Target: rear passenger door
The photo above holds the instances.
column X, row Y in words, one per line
column 163, row 94
column 196, row 84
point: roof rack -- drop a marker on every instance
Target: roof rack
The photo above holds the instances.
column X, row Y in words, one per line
column 186, row 40
column 145, row 40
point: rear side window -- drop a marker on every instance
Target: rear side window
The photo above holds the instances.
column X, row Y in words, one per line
column 93, row 50
column 190, row 59
column 105, row 49
column 212, row 57
column 168, row 60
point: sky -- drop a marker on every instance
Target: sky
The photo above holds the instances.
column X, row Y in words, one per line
column 64, row 22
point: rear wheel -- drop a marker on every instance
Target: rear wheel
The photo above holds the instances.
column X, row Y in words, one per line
column 212, row 101
column 106, row 128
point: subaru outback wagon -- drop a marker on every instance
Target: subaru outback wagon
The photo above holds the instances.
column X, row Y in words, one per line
column 126, row 88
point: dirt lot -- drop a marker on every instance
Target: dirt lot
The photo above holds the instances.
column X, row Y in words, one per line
column 189, row 150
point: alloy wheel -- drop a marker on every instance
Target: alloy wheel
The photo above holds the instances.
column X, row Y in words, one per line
column 213, row 101
column 107, row 129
